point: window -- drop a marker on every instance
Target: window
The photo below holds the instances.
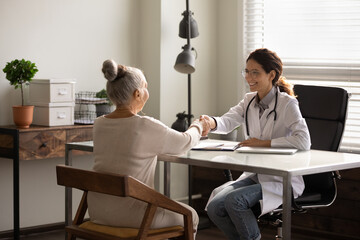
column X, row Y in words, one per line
column 318, row 42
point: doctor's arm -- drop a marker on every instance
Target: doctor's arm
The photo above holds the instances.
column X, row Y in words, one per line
column 230, row 120
column 300, row 136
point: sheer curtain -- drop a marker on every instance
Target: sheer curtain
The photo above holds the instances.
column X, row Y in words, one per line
column 319, row 43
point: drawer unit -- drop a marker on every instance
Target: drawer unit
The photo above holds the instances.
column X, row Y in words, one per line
column 51, row 91
column 39, row 142
column 42, row 144
column 54, row 114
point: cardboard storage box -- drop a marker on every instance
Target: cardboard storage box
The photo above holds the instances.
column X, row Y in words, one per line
column 54, row 114
column 51, row 91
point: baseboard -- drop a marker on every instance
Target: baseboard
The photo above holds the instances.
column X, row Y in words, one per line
column 295, row 231
column 35, row 229
column 322, row 234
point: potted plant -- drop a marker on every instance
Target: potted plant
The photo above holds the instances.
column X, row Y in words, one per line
column 19, row 72
column 106, row 106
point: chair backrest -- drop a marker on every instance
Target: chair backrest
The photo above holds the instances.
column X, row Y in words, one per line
column 325, row 110
column 92, row 181
column 122, row 186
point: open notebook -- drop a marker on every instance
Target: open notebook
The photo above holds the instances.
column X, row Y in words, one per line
column 234, row 146
column 214, row 146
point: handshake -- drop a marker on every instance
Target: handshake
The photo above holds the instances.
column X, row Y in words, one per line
column 207, row 124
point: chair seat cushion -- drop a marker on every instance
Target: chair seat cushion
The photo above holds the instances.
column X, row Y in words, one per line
column 309, row 198
column 123, row 232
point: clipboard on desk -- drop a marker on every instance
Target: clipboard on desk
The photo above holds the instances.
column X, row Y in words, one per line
column 266, row 150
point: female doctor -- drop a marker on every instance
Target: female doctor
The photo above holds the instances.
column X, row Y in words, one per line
column 272, row 118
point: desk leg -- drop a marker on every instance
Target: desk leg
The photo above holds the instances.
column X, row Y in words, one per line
column 167, row 179
column 68, row 191
column 190, row 186
column 16, row 187
column 16, row 182
column 286, row 207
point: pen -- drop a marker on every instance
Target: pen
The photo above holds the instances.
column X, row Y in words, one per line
column 237, row 146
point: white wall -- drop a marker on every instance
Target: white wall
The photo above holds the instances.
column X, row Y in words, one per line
column 149, row 32
column 66, row 39
column 71, row 38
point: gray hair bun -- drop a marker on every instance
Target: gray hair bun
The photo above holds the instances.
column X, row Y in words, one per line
column 110, row 70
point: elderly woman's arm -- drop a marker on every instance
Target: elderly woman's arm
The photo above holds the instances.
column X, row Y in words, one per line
column 176, row 143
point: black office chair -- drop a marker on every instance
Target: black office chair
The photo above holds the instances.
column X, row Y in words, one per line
column 325, row 110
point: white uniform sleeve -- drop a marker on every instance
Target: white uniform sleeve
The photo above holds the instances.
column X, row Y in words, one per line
column 300, row 137
column 230, row 120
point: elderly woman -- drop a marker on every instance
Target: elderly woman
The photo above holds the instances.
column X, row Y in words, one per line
column 126, row 143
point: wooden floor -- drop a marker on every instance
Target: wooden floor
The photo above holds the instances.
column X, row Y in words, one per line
column 211, row 233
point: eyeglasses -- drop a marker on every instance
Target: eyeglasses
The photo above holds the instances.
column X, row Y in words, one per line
column 253, row 74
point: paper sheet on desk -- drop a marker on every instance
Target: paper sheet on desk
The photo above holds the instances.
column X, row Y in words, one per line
column 208, row 146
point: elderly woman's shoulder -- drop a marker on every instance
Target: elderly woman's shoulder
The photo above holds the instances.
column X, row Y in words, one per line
column 152, row 121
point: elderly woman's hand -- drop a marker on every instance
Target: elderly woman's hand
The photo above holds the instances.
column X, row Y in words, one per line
column 208, row 122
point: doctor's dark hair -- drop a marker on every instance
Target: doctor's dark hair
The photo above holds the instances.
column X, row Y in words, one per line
column 269, row 61
column 122, row 82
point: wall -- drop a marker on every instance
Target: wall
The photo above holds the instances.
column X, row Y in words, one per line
column 66, row 39
column 71, row 38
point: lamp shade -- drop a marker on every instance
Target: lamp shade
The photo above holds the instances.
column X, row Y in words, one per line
column 183, row 26
column 185, row 61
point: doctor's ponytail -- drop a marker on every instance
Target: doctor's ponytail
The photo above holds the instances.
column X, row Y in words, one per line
column 284, row 86
column 269, row 61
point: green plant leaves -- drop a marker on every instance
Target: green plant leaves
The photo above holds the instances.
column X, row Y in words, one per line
column 19, row 72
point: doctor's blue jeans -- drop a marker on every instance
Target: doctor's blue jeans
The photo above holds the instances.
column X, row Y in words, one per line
column 230, row 210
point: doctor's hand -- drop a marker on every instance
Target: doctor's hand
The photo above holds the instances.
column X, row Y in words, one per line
column 207, row 127
column 254, row 142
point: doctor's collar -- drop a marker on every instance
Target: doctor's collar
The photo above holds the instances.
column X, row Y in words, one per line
column 265, row 102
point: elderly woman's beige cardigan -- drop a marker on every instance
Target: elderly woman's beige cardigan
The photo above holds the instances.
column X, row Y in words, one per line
column 130, row 146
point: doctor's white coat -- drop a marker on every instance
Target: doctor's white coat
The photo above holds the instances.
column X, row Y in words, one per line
column 288, row 130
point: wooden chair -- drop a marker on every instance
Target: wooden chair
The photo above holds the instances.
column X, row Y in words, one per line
column 121, row 186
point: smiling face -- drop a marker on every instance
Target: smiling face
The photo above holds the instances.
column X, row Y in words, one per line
column 258, row 79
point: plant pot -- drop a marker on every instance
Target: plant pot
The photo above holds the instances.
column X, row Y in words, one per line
column 23, row 116
column 102, row 109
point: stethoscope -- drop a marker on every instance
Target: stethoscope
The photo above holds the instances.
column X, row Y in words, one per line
column 272, row 111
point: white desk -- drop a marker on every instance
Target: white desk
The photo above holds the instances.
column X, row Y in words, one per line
column 286, row 166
